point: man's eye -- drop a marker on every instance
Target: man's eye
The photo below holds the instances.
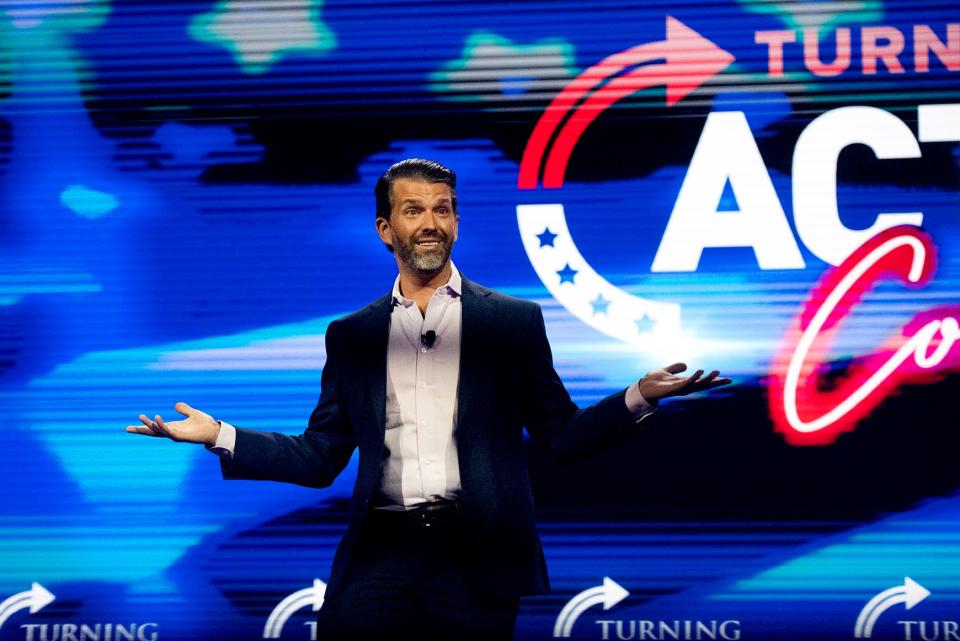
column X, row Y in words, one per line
column 412, row 212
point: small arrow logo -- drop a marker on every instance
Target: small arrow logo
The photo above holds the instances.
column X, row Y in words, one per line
column 910, row 594
column 689, row 60
column 609, row 594
column 312, row 596
column 36, row 598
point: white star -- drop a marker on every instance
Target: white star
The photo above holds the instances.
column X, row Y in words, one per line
column 492, row 66
column 257, row 32
column 61, row 15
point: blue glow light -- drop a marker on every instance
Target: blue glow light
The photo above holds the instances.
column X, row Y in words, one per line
column 89, row 203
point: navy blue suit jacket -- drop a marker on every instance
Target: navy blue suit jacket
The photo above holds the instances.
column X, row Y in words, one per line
column 507, row 382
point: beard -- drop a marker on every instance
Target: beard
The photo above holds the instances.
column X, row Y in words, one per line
column 425, row 262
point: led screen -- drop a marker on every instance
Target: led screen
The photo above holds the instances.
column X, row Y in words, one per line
column 766, row 188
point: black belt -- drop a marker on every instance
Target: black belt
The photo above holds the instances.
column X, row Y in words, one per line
column 426, row 515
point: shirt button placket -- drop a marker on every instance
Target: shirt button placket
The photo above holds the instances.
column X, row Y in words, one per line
column 421, row 405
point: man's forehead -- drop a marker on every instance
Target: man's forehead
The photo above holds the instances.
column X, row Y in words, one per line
column 411, row 189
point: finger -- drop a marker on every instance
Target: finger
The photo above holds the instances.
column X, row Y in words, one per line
column 676, row 368
column 140, row 429
column 689, row 384
column 706, row 380
column 153, row 426
column 704, row 384
column 183, row 408
column 713, row 377
column 164, row 430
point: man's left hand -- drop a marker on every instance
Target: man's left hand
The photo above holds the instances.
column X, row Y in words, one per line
column 661, row 383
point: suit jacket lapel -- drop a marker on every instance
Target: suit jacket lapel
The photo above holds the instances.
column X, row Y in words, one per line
column 478, row 312
column 376, row 335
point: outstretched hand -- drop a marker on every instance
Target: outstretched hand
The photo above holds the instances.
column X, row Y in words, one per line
column 661, row 383
column 198, row 427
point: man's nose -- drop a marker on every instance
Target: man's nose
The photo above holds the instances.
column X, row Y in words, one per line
column 428, row 221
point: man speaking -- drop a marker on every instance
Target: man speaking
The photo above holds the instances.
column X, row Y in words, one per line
column 433, row 383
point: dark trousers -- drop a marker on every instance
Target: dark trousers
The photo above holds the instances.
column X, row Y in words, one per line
column 411, row 581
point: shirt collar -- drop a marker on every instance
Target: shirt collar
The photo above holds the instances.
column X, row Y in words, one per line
column 452, row 288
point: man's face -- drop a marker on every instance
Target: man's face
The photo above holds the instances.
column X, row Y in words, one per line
column 422, row 226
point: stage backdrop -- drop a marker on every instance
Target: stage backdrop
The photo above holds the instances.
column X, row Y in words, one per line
column 769, row 188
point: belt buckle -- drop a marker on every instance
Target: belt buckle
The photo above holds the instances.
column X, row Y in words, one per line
column 433, row 512
column 427, row 518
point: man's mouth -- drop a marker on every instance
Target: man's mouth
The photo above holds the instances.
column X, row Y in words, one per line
column 429, row 243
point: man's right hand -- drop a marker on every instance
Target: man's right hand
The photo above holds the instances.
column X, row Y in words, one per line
column 198, row 427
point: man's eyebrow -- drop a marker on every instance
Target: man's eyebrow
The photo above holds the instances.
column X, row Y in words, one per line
column 417, row 201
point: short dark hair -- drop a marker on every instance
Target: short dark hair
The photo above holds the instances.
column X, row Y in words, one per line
column 418, row 169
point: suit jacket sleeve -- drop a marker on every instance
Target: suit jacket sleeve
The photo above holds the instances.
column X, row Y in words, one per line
column 314, row 458
column 554, row 420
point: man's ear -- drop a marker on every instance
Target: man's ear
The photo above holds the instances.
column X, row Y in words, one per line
column 383, row 230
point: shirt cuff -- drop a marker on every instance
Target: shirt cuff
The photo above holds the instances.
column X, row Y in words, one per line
column 226, row 441
column 637, row 404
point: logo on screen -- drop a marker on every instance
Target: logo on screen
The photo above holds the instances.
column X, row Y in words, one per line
column 312, row 596
column 727, row 157
column 807, row 411
column 682, row 62
column 34, row 600
column 38, row 597
column 909, row 595
column 610, row 593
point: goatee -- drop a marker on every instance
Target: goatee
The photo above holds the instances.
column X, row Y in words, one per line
column 428, row 263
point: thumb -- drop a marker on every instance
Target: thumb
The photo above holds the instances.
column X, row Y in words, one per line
column 676, row 368
column 184, row 409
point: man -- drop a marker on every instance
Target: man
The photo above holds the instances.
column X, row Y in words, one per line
column 433, row 383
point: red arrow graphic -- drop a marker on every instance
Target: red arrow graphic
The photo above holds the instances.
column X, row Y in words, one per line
column 690, row 60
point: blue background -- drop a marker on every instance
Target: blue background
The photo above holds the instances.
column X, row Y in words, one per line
column 184, row 210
